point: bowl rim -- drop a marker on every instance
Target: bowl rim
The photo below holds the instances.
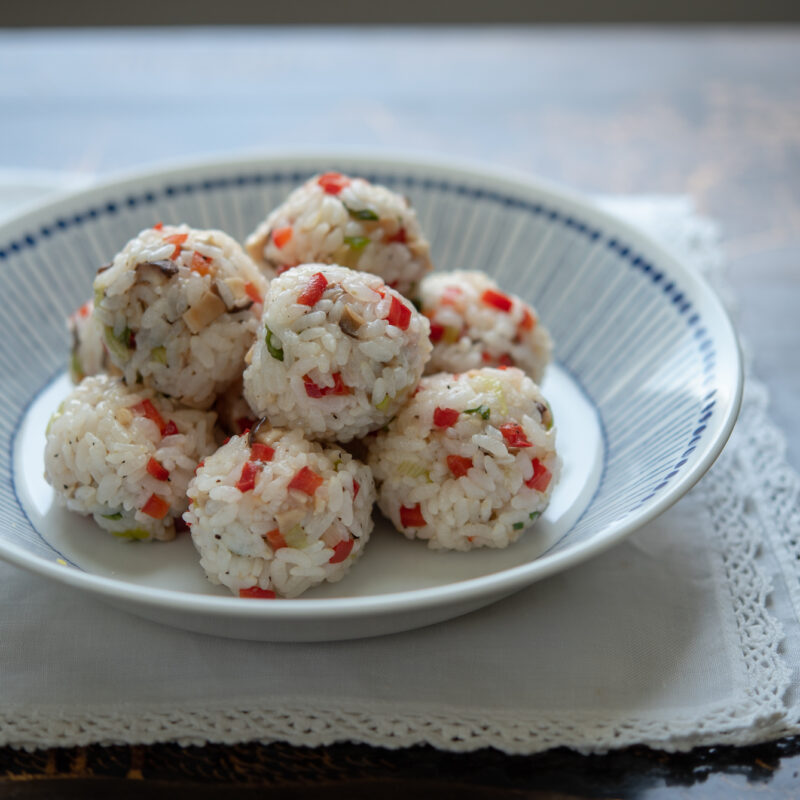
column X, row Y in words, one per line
column 499, row 583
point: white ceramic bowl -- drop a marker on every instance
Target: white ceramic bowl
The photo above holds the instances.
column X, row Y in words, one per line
column 645, row 387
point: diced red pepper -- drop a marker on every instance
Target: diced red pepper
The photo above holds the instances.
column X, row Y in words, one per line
column 85, row 309
column 445, row 417
column 459, row 465
column 399, row 314
column 505, row 360
column 486, row 356
column 257, row 592
column 514, row 435
column 261, row 452
column 275, row 539
column 247, row 480
column 158, row 226
column 306, row 480
column 528, row 320
column 253, row 293
column 333, row 182
column 437, row 331
column 412, row 517
column 170, row 429
column 244, row 424
column 282, row 236
column 177, row 239
column 200, row 264
column 312, row 390
column 341, row 551
column 540, row 479
column 399, row 237
column 499, row 300
column 157, row 470
column 314, row 290
column 155, row 507
column 339, row 387
column 450, row 296
column 147, row 409
column 356, row 488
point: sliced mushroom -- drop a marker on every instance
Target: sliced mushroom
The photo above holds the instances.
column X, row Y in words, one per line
column 262, row 432
column 351, row 321
column 204, row 312
column 166, row 268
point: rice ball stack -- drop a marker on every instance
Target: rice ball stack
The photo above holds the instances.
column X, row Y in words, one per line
column 125, row 456
column 88, row 354
column 469, row 462
column 335, row 219
column 474, row 324
column 273, row 513
column 337, row 355
column 179, row 308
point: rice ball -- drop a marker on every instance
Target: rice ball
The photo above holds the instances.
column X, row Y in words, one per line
column 124, row 456
column 337, row 355
column 335, row 219
column 469, row 462
column 179, row 309
column 474, row 324
column 273, row 513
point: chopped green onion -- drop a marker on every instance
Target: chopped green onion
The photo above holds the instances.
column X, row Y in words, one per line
column 534, row 515
column 413, row 470
column 274, row 350
column 296, row 538
column 484, row 411
column 159, row 354
column 362, row 213
column 518, row 526
column 115, row 515
column 119, row 344
column 136, row 534
column 384, row 404
column 356, row 242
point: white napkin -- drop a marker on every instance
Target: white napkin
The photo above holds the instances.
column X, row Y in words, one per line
column 668, row 639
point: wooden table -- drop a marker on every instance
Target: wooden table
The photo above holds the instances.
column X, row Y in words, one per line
column 707, row 112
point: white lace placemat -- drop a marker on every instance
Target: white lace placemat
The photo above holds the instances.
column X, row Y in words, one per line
column 670, row 639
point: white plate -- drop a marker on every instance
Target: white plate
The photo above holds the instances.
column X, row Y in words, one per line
column 645, row 388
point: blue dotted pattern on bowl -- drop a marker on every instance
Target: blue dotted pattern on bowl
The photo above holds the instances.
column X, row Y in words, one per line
column 621, row 327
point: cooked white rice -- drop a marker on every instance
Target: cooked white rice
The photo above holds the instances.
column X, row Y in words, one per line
column 179, row 308
column 109, row 456
column 474, row 324
column 469, row 462
column 337, row 362
column 334, row 219
column 88, row 354
column 273, row 512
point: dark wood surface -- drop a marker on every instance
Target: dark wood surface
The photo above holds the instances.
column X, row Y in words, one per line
column 715, row 114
